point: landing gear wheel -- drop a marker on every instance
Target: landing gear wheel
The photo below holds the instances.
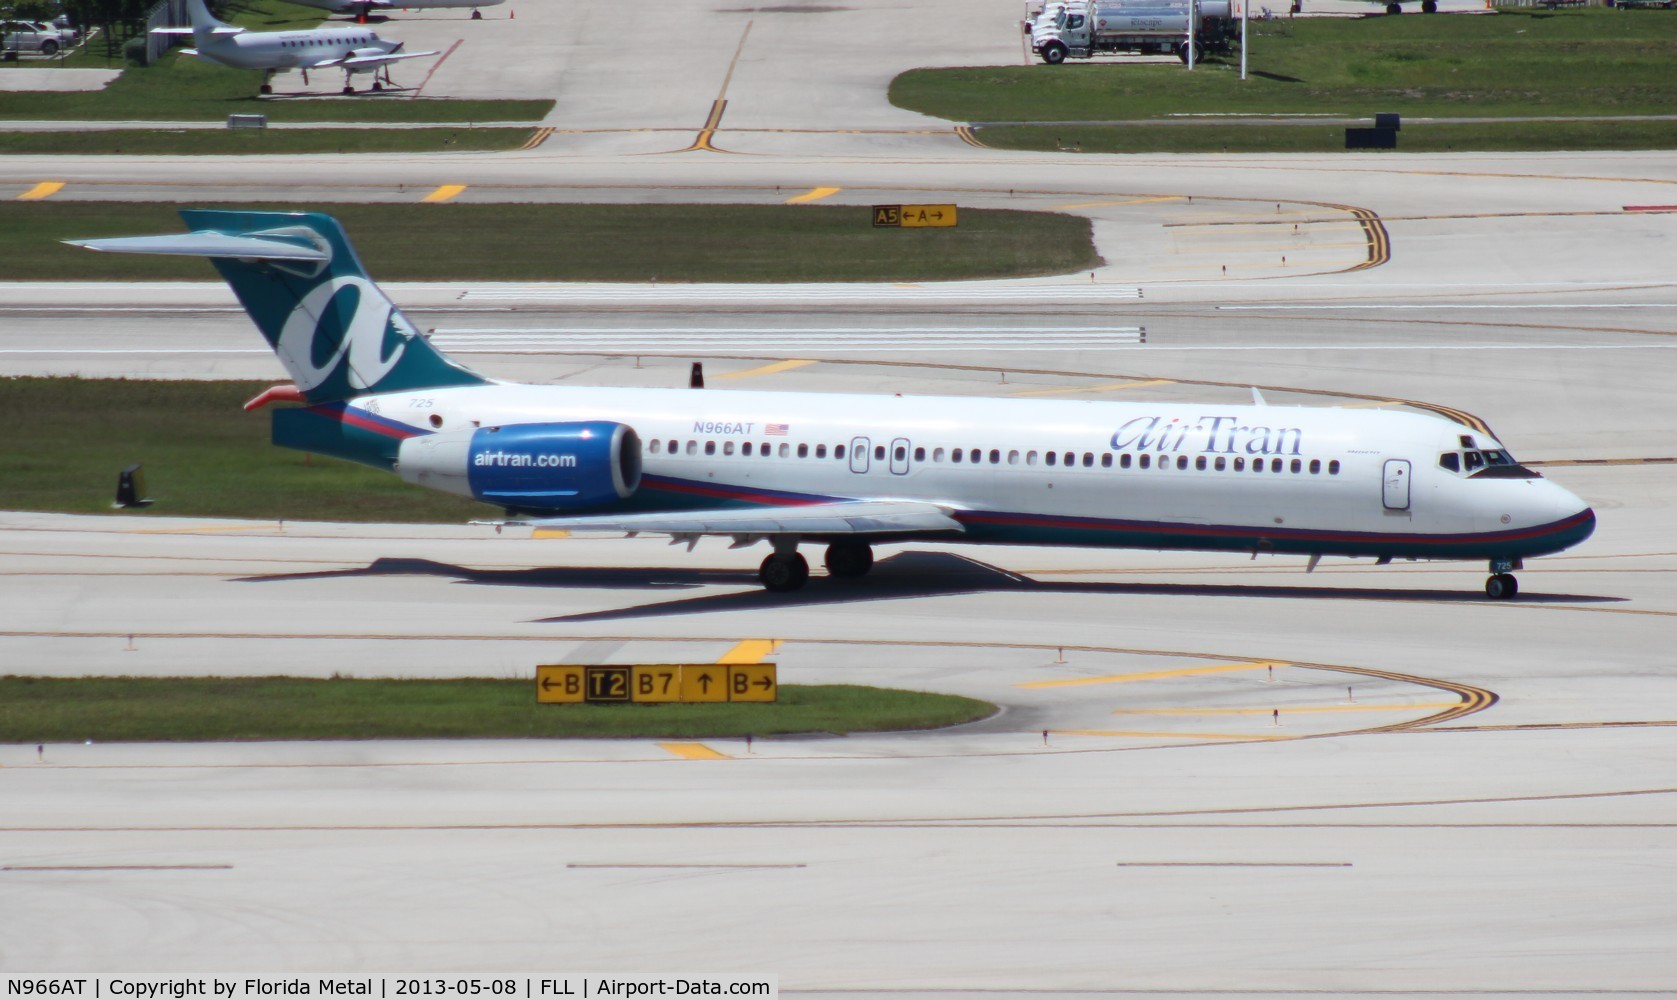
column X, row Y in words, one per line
column 348, row 90
column 1502, row 587
column 477, row 15
column 849, row 559
column 267, row 88
column 783, row 573
column 1429, row 6
column 377, row 85
column 1394, row 8
column 1053, row 53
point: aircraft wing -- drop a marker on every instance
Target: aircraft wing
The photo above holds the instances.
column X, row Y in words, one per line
column 369, row 62
column 223, row 30
column 847, row 517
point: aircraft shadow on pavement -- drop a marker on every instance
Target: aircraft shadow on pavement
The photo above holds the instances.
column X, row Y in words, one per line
column 904, row 575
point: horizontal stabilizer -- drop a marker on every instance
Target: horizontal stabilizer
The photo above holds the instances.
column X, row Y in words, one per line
column 850, row 517
column 208, row 244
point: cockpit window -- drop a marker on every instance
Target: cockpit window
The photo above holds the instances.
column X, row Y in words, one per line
column 1448, row 460
column 1498, row 458
column 1472, row 460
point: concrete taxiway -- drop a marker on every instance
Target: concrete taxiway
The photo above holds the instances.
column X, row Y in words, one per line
column 1253, row 781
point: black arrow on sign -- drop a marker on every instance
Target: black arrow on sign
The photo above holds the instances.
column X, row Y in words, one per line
column 764, row 683
column 547, row 683
column 704, row 683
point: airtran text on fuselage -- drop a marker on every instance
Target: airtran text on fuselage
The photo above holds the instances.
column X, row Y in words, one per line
column 1211, row 435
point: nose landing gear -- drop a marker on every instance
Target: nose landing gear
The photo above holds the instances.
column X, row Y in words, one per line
column 1502, row 586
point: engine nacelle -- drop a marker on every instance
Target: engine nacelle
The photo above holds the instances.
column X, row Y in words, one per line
column 528, row 466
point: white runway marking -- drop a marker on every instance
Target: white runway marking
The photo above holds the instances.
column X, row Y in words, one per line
column 1029, row 294
column 1510, row 306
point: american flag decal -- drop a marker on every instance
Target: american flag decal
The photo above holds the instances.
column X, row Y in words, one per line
column 776, row 429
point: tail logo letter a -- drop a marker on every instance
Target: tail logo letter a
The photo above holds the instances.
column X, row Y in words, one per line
column 362, row 339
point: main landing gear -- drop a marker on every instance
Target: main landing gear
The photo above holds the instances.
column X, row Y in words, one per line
column 785, row 570
column 1502, row 586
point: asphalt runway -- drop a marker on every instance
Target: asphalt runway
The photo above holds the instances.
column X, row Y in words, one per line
column 1211, row 776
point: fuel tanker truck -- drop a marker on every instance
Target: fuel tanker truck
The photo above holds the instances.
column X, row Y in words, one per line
column 1077, row 29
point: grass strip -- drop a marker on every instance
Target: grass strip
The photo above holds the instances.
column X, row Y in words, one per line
column 188, row 709
column 1413, row 138
column 1519, row 62
column 473, row 242
column 235, row 142
column 203, row 456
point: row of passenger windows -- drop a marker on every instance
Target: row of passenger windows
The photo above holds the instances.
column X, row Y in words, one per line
column 303, row 43
column 995, row 456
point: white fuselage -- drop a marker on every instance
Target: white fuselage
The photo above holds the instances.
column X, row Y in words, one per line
column 279, row 50
column 1074, row 472
column 337, row 6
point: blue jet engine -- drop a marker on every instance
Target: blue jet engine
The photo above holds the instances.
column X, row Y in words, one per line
column 536, row 467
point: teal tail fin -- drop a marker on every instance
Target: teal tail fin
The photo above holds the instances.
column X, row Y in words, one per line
column 297, row 276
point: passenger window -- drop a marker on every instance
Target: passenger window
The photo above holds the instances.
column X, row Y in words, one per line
column 899, row 453
column 1031, row 458
column 674, row 446
column 803, row 451
column 838, row 451
column 784, row 449
column 727, row 447
column 1221, row 463
column 1448, row 460
column 1257, row 465
column 692, row 447
column 1275, row 465
column 1089, row 459
column 1471, row 460
column 995, row 456
column 745, row 449
column 655, row 444
column 919, row 454
column 1106, row 460
column 1182, row 461
column 937, row 454
column 1013, row 458
column 1333, row 467
column 1145, row 460
column 820, row 451
column 879, row 453
column 955, row 456
column 1315, row 466
column 1199, row 463
column 710, row 447
column 1240, row 465
column 1297, row 465
column 1071, row 458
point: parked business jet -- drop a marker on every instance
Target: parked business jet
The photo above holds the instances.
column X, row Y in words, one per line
column 361, row 8
column 852, row 471
column 353, row 50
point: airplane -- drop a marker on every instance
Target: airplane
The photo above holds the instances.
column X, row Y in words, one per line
column 362, row 8
column 353, row 50
column 851, row 471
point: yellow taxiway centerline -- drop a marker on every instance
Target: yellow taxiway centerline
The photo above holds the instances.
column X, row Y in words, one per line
column 1168, row 736
column 814, row 194
column 45, row 189
column 1108, row 387
column 750, row 651
column 1152, row 675
column 1285, row 710
column 447, row 192
column 694, row 751
column 769, row 369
